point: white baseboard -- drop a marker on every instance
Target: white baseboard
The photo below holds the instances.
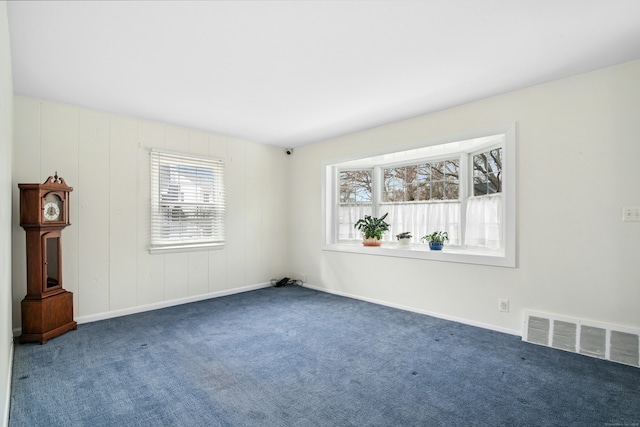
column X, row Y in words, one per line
column 4, row 415
column 415, row 310
column 165, row 304
column 158, row 305
column 186, row 300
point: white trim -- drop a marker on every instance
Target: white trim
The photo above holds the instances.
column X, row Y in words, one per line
column 509, row 216
column 354, row 160
column 329, row 227
column 186, row 248
column 166, row 304
column 414, row 251
column 7, row 404
column 419, row 311
column 186, row 156
column 159, row 305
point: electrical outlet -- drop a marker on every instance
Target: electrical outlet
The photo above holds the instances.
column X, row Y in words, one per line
column 503, row 305
column 304, row 278
column 631, row 214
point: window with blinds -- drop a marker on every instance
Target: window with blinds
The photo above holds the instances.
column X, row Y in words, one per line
column 187, row 201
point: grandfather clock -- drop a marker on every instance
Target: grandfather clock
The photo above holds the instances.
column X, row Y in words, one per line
column 47, row 310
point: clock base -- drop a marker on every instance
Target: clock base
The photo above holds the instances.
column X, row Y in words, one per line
column 47, row 317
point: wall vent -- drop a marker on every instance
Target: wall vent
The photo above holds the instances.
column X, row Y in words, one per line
column 564, row 335
column 610, row 342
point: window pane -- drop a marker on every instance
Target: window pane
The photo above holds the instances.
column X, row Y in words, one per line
column 494, row 161
column 355, row 186
column 424, row 190
column 437, row 190
column 345, row 189
column 394, row 184
column 479, row 186
column 188, row 184
column 423, row 176
column 487, row 172
column 452, row 190
column 411, row 180
column 424, row 172
column 493, row 184
column 480, row 163
column 452, row 170
column 437, row 170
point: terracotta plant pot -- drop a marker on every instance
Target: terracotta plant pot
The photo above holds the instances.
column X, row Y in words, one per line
column 371, row 241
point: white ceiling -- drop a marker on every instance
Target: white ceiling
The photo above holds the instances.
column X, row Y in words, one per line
column 289, row 73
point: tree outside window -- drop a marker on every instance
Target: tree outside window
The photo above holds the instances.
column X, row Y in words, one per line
column 422, row 182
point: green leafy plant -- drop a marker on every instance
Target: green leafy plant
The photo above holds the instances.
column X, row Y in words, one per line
column 404, row 235
column 436, row 236
column 372, row 227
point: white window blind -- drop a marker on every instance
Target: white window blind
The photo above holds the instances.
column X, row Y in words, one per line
column 187, row 201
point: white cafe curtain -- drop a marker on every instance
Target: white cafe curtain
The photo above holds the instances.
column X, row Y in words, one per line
column 484, row 222
column 421, row 218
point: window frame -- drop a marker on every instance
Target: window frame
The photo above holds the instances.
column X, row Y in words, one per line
column 506, row 257
column 217, row 203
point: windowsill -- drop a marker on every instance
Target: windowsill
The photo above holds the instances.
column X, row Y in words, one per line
column 189, row 248
column 418, row 251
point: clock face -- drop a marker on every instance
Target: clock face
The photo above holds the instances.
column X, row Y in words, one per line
column 51, row 211
column 52, row 208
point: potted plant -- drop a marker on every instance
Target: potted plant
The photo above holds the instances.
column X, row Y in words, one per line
column 404, row 238
column 372, row 229
column 436, row 240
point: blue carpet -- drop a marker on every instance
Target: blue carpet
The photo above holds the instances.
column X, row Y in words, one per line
column 297, row 357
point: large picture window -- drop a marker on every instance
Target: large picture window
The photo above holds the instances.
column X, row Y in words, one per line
column 187, row 201
column 457, row 187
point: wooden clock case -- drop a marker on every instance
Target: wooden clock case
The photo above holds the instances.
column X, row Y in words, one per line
column 47, row 309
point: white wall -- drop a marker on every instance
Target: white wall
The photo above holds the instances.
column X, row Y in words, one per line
column 106, row 263
column 577, row 165
column 6, row 106
column 576, row 151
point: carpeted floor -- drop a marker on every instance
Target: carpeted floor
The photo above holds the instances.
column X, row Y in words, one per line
column 297, row 357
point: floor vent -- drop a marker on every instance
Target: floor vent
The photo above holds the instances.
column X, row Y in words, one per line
column 594, row 339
